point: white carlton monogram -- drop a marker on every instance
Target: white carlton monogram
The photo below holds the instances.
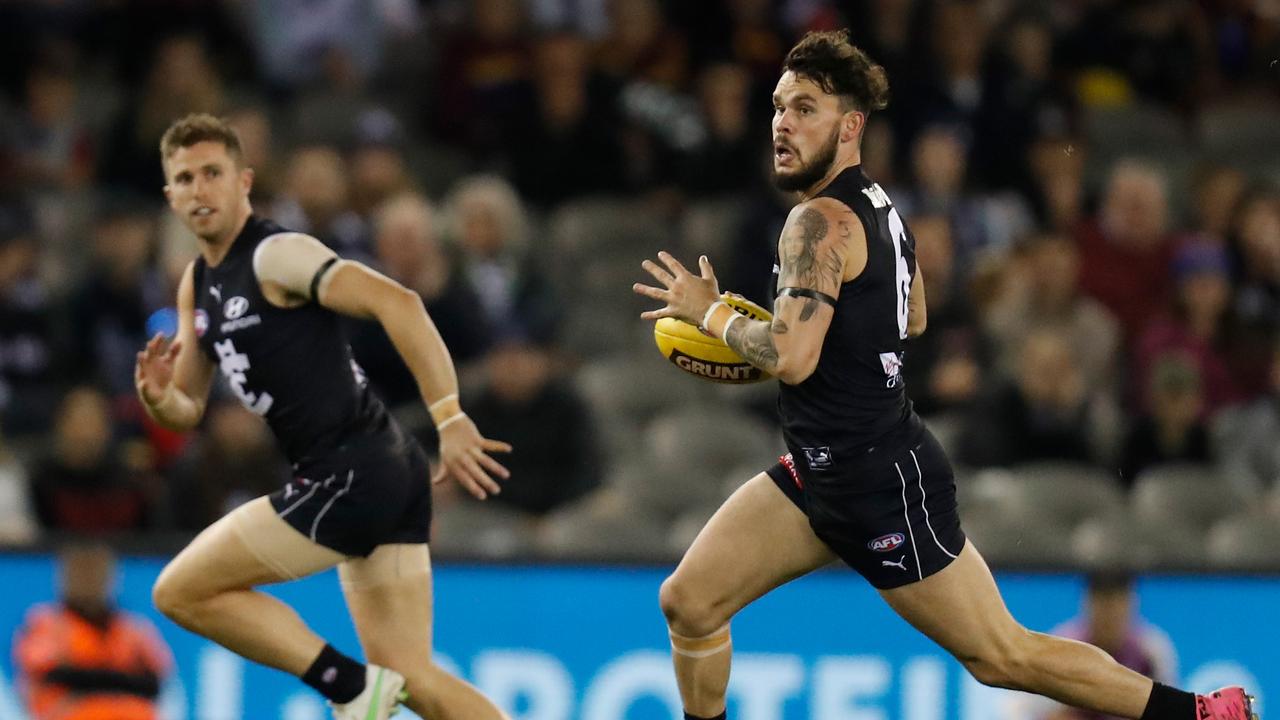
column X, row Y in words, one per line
column 233, row 364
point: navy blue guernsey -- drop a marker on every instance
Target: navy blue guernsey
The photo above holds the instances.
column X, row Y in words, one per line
column 855, row 400
column 291, row 366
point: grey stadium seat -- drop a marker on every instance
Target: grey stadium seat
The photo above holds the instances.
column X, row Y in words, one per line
column 1189, row 498
column 473, row 530
column 586, row 532
column 1249, row 541
column 1123, row 541
column 1070, row 493
column 1018, row 541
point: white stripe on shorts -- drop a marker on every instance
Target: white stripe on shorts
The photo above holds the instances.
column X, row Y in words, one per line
column 315, row 524
column 907, row 518
column 920, row 480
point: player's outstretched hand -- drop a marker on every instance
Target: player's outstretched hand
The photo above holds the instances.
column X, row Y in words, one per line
column 153, row 371
column 464, row 456
column 687, row 296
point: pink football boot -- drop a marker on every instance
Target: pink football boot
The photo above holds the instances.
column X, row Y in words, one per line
column 1228, row 703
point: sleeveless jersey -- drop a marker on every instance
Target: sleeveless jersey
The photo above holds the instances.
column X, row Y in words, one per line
column 291, row 366
column 856, row 400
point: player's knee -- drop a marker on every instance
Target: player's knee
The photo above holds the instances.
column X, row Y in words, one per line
column 1005, row 663
column 170, row 598
column 687, row 613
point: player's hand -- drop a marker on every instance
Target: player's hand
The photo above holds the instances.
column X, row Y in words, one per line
column 153, row 371
column 687, row 296
column 464, row 456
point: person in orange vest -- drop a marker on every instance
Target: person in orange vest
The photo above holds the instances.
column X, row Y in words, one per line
column 81, row 657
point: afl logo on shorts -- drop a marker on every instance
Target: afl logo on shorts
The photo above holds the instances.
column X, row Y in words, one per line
column 235, row 307
column 887, row 543
column 201, row 322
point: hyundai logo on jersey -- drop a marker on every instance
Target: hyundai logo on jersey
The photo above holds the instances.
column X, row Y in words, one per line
column 887, row 543
column 235, row 307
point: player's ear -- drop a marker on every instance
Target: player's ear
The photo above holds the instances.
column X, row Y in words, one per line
column 246, row 179
column 851, row 125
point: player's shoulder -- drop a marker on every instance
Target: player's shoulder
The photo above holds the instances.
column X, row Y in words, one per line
column 821, row 210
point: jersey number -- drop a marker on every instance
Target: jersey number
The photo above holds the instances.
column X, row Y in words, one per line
column 233, row 365
column 902, row 273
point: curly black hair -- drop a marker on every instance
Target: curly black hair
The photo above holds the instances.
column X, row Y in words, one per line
column 840, row 68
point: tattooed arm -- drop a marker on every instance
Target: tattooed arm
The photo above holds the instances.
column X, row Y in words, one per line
column 822, row 245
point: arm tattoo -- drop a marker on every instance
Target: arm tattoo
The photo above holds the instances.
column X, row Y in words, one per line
column 753, row 340
column 806, row 260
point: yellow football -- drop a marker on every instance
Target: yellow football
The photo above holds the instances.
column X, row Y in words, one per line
column 706, row 357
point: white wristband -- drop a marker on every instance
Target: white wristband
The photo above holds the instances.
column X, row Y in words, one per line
column 706, row 318
column 451, row 396
column 724, row 334
column 450, row 420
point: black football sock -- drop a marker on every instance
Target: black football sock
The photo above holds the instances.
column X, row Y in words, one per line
column 721, row 716
column 335, row 676
column 1168, row 703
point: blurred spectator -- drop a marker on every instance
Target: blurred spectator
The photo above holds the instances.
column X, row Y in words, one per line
column 753, row 41
column 82, row 484
column 1045, row 412
column 49, row 147
column 110, row 309
column 1216, row 191
column 525, row 403
column 28, row 354
column 943, row 367
column 980, row 224
column 1199, row 327
column 1042, row 291
column 1146, row 48
column 379, row 169
column 562, row 142
column 1110, row 620
column 641, row 47
column 1125, row 251
column 947, row 86
column 17, row 523
column 1255, row 242
column 488, row 221
column 296, row 39
column 253, row 124
column 1057, row 182
column 1172, row 432
column 727, row 161
column 181, row 80
column 317, row 201
column 233, row 461
column 410, row 251
column 480, row 73
column 1019, row 98
column 81, row 657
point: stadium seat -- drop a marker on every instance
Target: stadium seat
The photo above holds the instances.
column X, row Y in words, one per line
column 1247, row 541
column 1186, row 498
column 469, row 529
column 1019, row 541
column 635, row 386
column 1119, row 540
column 1071, row 493
column 616, row 533
column 1244, row 135
column 710, row 228
column 692, row 449
column 1142, row 130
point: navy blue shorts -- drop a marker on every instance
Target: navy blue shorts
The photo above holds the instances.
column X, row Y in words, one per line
column 373, row 489
column 890, row 514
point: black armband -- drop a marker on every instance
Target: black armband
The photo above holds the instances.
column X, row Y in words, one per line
column 315, row 279
column 807, row 293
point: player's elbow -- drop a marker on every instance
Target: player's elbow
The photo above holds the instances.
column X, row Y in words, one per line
column 395, row 300
column 795, row 368
column 916, row 324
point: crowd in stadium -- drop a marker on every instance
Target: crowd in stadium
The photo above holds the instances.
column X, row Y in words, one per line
column 1092, row 185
